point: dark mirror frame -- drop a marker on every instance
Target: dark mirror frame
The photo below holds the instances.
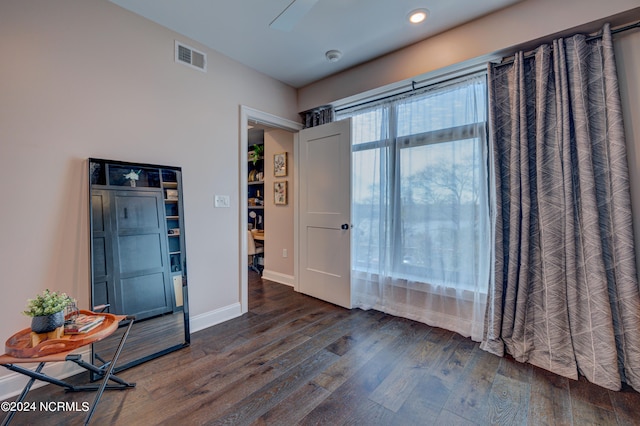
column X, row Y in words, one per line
column 159, row 188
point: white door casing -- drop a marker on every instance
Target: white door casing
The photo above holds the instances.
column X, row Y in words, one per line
column 325, row 212
column 251, row 116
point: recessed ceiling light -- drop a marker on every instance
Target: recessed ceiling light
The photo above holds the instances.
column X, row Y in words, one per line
column 418, row 15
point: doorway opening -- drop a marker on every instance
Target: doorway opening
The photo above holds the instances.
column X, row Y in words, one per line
column 275, row 216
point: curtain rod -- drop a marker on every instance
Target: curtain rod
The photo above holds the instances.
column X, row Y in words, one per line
column 414, row 88
column 506, row 61
column 617, row 30
column 510, row 59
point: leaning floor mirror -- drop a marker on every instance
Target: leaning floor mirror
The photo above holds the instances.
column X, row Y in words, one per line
column 138, row 258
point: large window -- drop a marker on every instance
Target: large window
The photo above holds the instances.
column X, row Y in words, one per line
column 420, row 205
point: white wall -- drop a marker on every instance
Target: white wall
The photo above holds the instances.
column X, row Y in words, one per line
column 86, row 78
column 279, row 218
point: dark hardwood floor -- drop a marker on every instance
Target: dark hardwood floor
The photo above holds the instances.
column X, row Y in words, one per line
column 297, row 360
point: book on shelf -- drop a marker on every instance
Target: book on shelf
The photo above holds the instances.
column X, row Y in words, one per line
column 83, row 324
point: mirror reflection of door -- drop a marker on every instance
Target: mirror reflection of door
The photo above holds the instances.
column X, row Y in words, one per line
column 138, row 256
column 140, row 284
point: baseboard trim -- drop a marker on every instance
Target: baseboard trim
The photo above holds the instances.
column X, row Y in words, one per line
column 278, row 277
column 12, row 384
column 211, row 318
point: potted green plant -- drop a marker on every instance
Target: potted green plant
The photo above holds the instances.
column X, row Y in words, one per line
column 256, row 154
column 47, row 311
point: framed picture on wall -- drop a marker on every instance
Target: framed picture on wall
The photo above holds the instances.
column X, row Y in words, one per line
column 280, row 193
column 280, row 164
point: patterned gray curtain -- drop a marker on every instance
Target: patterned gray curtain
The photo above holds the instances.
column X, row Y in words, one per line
column 565, row 296
column 317, row 116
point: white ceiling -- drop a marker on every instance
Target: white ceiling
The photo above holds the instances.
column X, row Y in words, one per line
column 361, row 29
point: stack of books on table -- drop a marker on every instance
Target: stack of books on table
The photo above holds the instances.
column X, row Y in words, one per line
column 83, row 324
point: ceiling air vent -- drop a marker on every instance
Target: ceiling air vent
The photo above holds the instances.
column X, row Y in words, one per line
column 191, row 57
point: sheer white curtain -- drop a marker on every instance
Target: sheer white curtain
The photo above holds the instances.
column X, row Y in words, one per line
column 421, row 237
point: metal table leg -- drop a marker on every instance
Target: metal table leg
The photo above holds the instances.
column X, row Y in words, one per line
column 24, row 393
column 108, row 374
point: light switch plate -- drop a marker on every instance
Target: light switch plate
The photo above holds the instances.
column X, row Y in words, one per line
column 222, row 201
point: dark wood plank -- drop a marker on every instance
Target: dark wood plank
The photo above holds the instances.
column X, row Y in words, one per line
column 589, row 414
column 294, row 359
column 583, row 391
column 550, row 401
column 267, row 397
column 410, row 370
column 626, row 404
column 450, row 370
column 446, row 417
column 351, row 361
column 349, row 400
column 470, row 397
column 508, row 401
column 295, row 407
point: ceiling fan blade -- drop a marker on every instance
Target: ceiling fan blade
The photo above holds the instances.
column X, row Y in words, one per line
column 292, row 14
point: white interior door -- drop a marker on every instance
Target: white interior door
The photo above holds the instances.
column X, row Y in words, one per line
column 325, row 212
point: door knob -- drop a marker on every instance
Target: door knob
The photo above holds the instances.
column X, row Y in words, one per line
column 345, row 226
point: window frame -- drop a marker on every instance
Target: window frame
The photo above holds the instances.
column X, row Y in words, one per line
column 390, row 149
